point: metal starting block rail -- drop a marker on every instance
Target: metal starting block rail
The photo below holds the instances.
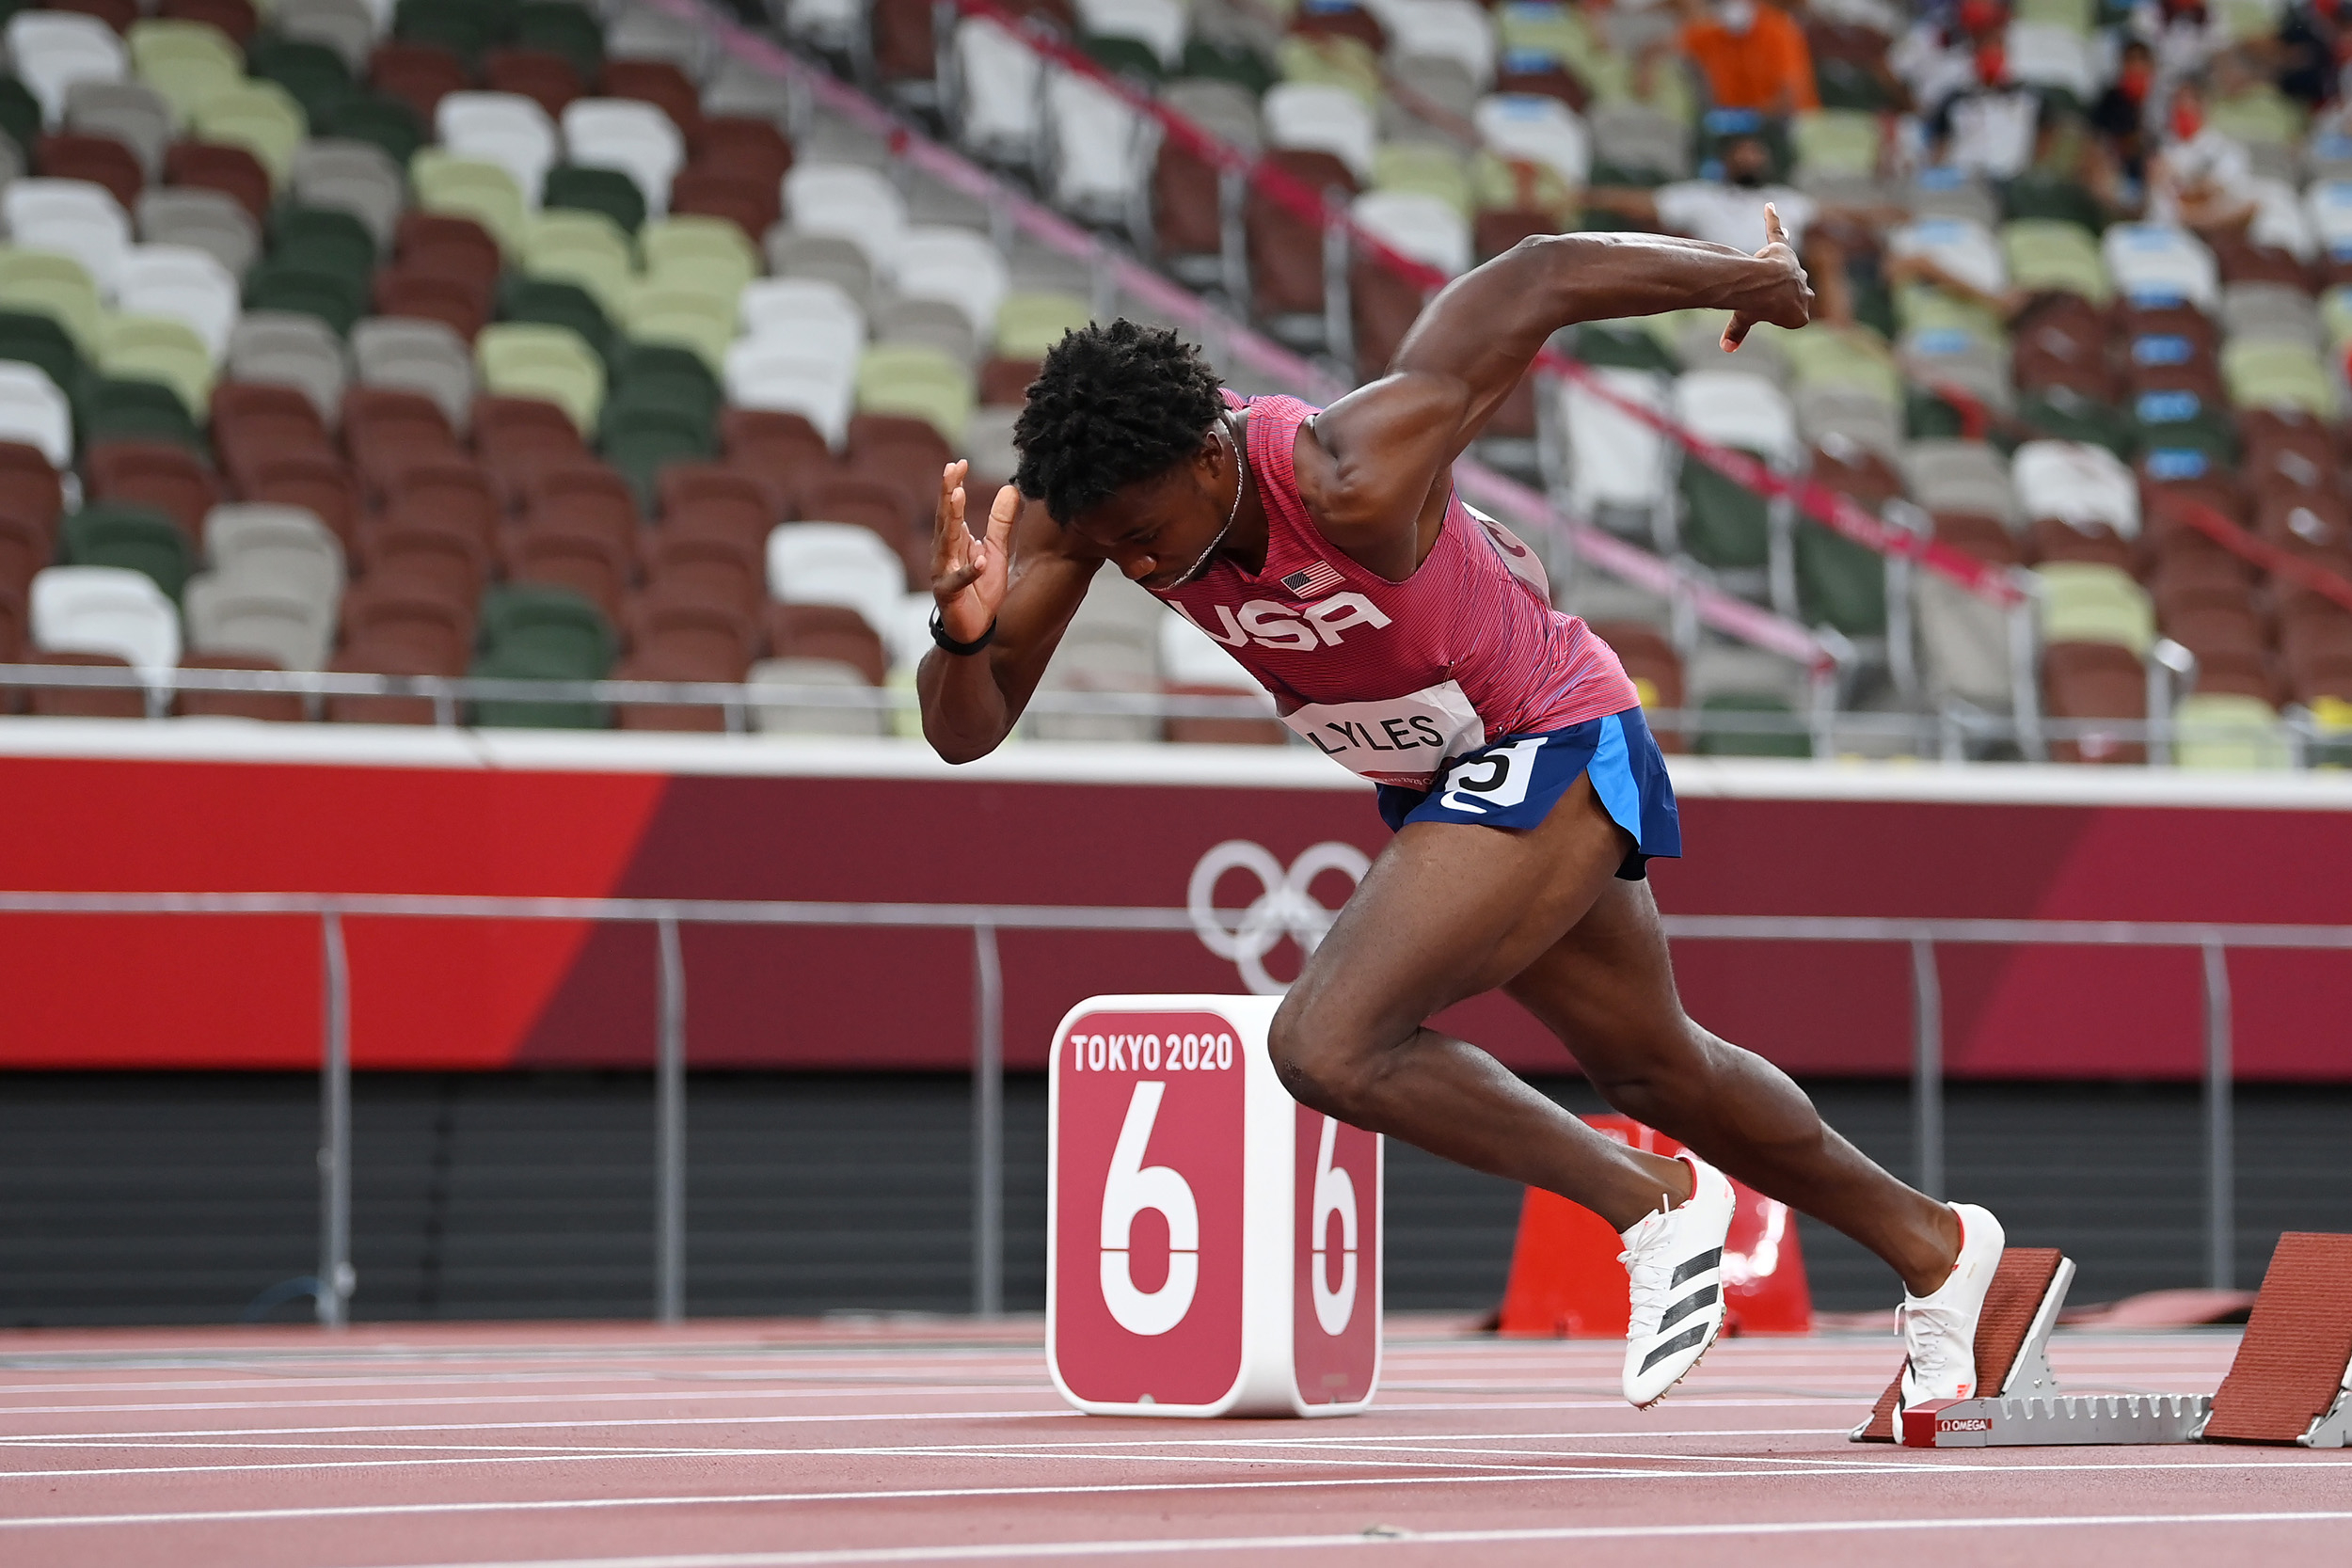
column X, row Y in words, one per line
column 2291, row 1381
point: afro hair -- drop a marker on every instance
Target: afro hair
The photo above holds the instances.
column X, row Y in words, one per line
column 1113, row 404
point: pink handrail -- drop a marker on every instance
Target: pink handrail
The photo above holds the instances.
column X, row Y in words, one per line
column 1837, row 512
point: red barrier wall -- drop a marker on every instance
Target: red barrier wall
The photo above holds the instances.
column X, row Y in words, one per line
column 167, row 808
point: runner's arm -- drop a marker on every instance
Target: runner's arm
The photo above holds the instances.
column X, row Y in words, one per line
column 1389, row 442
column 1018, row 577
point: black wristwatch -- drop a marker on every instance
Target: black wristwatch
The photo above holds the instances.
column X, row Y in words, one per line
column 939, row 635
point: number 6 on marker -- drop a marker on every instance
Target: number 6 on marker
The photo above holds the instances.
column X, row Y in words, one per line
column 1132, row 1187
column 1335, row 1192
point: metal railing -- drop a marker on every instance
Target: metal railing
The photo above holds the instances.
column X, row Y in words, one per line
column 1955, row 733
column 336, row 1279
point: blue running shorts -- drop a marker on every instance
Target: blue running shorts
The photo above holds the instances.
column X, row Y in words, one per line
column 1515, row 782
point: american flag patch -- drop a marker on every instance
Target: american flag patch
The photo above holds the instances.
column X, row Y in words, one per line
column 1320, row 577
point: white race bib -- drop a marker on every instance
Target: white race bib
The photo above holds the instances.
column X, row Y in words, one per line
column 1399, row 741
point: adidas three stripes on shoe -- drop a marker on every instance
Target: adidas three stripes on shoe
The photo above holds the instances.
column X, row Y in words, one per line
column 1674, row 1264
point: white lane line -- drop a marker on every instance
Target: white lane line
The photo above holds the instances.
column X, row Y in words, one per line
column 377, row 1511
column 1386, row 1461
column 1025, row 1367
column 180, row 1441
column 1059, row 1412
column 853, row 1418
column 1008, row 1551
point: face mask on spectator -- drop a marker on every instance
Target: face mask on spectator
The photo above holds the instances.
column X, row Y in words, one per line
column 1992, row 64
column 2187, row 120
column 1737, row 16
column 2134, row 80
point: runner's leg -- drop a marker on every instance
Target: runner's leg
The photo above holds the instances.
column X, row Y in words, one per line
column 1606, row 988
column 1446, row 912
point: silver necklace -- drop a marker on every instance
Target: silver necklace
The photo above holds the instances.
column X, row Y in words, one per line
column 1241, row 487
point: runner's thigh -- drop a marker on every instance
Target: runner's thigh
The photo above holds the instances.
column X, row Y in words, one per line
column 1449, row 911
column 1605, row 988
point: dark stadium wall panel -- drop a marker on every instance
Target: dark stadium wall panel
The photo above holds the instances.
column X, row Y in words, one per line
column 173, row 1198
column 244, row 991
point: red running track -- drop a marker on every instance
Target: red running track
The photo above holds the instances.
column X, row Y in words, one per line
column 759, row 1445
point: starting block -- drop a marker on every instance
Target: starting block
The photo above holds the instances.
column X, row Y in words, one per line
column 1213, row 1247
column 2291, row 1381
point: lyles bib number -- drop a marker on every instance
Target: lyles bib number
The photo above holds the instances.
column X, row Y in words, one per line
column 1394, row 741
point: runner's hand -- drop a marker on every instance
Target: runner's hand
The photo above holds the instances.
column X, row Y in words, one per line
column 968, row 574
column 1784, row 298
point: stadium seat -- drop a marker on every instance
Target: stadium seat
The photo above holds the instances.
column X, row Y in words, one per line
column 501, row 128
column 838, row 564
column 98, row 609
column 198, row 219
column 539, row 633
column 165, row 477
column 632, row 138
column 533, row 360
column 35, row 413
column 908, row 379
column 50, row 51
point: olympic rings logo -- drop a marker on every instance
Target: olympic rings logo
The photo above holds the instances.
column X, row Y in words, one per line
column 1283, row 906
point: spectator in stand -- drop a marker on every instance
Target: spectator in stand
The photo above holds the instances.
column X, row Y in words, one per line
column 2310, row 37
column 2120, row 115
column 2181, row 35
column 1979, row 118
column 1940, row 57
column 2199, row 178
column 1727, row 211
column 1753, row 56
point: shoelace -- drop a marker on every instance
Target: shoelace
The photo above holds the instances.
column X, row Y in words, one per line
column 1929, row 1333
column 1646, row 1273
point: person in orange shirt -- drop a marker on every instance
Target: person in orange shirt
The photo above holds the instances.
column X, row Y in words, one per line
column 1754, row 55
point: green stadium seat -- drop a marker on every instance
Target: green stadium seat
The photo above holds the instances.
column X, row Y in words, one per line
column 1627, row 347
column 595, row 190
column 542, row 633
column 466, row 28
column 20, row 113
column 376, row 119
column 641, row 443
column 125, row 411
column 2043, row 197
column 315, row 75
column 116, row 533
column 1724, row 523
column 335, row 298
column 1124, row 56
column 555, row 303
column 2064, row 415
column 1236, row 63
column 40, row 340
column 1840, row 581
column 323, row 239
column 562, row 27
column 664, row 374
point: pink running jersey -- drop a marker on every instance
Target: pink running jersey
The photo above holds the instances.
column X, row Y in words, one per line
column 1392, row 679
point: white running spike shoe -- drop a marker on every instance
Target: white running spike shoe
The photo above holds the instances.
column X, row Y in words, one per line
column 1673, row 1262
column 1940, row 1330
